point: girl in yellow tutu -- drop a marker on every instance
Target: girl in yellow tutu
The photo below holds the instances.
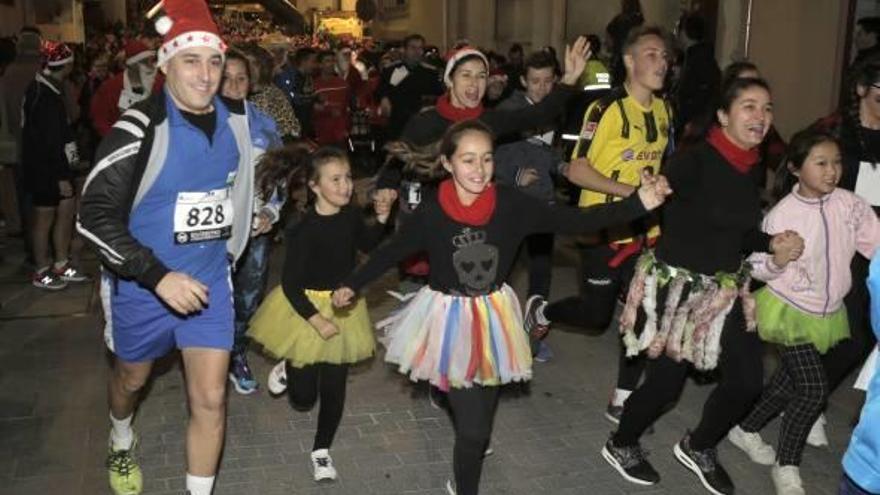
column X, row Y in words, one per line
column 297, row 321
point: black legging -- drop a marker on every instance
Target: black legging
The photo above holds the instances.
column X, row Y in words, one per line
column 841, row 359
column 594, row 307
column 473, row 411
column 303, row 387
column 739, row 386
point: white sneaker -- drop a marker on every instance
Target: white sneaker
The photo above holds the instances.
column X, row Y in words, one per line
column 787, row 480
column 817, row 436
column 277, row 381
column 753, row 445
column 450, row 490
column 322, row 465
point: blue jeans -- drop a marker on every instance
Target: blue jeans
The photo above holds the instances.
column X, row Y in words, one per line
column 849, row 487
column 249, row 284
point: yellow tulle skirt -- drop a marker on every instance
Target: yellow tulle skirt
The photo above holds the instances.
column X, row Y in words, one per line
column 283, row 333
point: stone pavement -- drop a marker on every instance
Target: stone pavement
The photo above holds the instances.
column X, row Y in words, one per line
column 53, row 417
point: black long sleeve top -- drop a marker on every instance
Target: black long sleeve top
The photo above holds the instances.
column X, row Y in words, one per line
column 468, row 260
column 321, row 250
column 428, row 126
column 712, row 220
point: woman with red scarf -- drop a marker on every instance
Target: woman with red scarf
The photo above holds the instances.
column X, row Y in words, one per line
column 690, row 295
column 466, row 76
column 463, row 332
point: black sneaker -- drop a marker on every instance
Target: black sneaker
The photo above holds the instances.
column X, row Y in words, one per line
column 704, row 463
column 631, row 463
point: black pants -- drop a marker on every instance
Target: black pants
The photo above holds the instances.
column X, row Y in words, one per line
column 540, row 250
column 800, row 388
column 739, row 385
column 304, row 385
column 841, row 359
column 473, row 411
column 593, row 308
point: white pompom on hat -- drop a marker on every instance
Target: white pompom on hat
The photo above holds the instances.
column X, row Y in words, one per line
column 457, row 57
column 186, row 24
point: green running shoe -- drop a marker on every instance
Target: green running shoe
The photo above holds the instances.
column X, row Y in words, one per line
column 125, row 475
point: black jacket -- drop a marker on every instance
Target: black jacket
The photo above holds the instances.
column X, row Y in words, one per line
column 422, row 85
column 128, row 160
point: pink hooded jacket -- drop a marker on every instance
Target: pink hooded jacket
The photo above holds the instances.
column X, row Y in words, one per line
column 834, row 227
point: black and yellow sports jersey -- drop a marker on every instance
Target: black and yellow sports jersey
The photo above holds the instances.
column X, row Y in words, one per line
column 620, row 138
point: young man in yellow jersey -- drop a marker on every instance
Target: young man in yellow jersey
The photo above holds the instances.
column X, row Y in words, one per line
column 622, row 134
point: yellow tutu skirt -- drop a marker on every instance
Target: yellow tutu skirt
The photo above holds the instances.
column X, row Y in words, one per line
column 283, row 333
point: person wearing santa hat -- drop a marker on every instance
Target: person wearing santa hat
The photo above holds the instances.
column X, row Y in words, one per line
column 48, row 155
column 136, row 83
column 169, row 206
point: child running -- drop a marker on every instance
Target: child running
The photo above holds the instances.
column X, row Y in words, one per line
column 297, row 321
column 463, row 332
column 801, row 307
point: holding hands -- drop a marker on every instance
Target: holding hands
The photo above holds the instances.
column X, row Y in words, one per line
column 786, row 247
column 654, row 190
column 342, row 297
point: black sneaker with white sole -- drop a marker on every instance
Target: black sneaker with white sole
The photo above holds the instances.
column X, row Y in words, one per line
column 704, row 463
column 631, row 463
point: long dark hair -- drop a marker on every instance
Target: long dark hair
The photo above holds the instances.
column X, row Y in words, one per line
column 864, row 74
column 424, row 161
column 293, row 167
column 795, row 154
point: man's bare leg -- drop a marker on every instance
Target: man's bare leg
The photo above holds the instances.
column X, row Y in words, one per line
column 206, row 388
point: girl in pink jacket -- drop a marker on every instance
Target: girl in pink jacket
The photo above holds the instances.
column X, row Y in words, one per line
column 801, row 308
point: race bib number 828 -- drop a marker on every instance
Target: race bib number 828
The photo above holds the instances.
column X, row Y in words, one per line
column 202, row 216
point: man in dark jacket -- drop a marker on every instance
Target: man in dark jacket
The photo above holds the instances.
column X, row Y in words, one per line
column 530, row 164
column 48, row 154
column 407, row 86
column 700, row 75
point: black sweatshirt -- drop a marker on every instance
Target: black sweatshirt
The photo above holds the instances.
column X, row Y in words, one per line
column 468, row 260
column 712, row 220
column 321, row 251
column 429, row 126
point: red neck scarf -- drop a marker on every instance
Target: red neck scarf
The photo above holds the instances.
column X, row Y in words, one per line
column 738, row 158
column 449, row 112
column 477, row 214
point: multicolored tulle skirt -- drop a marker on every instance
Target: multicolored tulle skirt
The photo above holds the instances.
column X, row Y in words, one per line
column 457, row 341
column 284, row 334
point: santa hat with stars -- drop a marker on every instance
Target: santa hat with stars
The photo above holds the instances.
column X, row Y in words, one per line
column 185, row 24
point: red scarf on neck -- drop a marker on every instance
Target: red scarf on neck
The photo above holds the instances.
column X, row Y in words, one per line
column 738, row 158
column 449, row 112
column 477, row 214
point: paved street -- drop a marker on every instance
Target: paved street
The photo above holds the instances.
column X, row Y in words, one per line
column 54, row 426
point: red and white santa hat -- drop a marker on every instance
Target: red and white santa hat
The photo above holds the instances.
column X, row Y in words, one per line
column 136, row 51
column 497, row 76
column 456, row 57
column 185, row 24
column 55, row 53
